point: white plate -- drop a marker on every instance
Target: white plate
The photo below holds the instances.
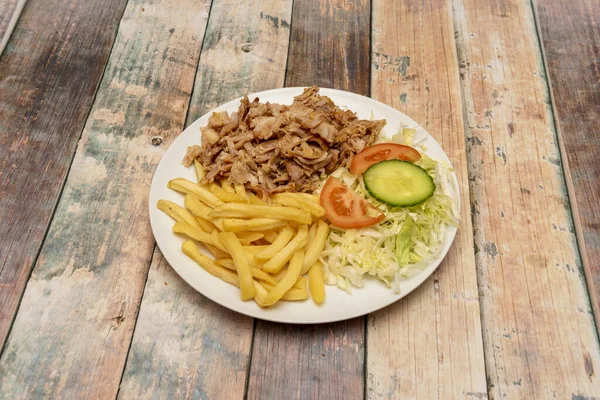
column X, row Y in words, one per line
column 338, row 304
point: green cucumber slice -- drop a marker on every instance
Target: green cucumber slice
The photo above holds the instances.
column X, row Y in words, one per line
column 398, row 183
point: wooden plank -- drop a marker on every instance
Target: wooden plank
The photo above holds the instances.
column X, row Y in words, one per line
column 48, row 77
column 245, row 50
column 10, row 10
column 571, row 41
column 539, row 336
column 74, row 327
column 184, row 344
column 429, row 344
column 329, row 46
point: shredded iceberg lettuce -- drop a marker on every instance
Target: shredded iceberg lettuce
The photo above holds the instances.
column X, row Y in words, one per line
column 399, row 246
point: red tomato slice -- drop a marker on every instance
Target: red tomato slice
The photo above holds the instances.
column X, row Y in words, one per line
column 380, row 152
column 345, row 208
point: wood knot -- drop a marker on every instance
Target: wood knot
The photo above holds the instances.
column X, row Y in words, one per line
column 157, row 141
column 247, row 47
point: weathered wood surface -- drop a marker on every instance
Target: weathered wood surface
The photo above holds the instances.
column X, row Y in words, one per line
column 48, row 77
column 10, row 10
column 245, row 50
column 184, row 344
column 76, row 319
column 570, row 31
column 329, row 47
column 429, row 344
column 538, row 331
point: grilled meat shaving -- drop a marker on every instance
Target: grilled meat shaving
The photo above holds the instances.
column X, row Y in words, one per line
column 273, row 148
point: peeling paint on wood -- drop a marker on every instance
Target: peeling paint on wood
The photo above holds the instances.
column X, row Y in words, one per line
column 47, row 86
column 522, row 292
column 193, row 345
column 429, row 344
column 74, row 326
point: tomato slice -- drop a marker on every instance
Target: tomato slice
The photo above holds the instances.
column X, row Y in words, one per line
column 345, row 208
column 380, row 152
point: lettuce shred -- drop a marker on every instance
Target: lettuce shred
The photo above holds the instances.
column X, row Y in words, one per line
column 399, row 246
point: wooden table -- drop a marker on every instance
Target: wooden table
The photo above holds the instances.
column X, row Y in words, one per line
column 93, row 92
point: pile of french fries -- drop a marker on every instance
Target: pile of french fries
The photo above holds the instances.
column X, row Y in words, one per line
column 264, row 249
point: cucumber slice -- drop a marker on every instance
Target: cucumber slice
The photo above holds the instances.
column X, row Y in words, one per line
column 398, row 183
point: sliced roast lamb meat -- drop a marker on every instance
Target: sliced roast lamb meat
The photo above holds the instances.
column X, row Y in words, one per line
column 272, row 148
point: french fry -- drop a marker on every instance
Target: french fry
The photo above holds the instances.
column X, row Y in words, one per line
column 294, row 294
column 225, row 262
column 311, row 234
column 256, row 272
column 288, row 280
column 226, row 185
column 301, row 282
column 253, row 249
column 216, row 241
column 234, row 210
column 225, row 196
column 206, row 225
column 255, row 200
column 311, row 197
column 264, row 247
column 252, row 260
column 316, row 247
column 211, row 249
column 279, row 260
column 252, row 225
column 279, row 275
column 241, row 190
column 184, row 186
column 198, row 208
column 216, row 252
column 218, row 223
column 190, row 249
column 200, row 173
column 248, row 237
column 277, row 245
column 294, row 200
column 234, row 247
column 192, row 232
column 316, row 285
column 201, row 210
column 261, row 294
column 270, row 235
column 177, row 212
